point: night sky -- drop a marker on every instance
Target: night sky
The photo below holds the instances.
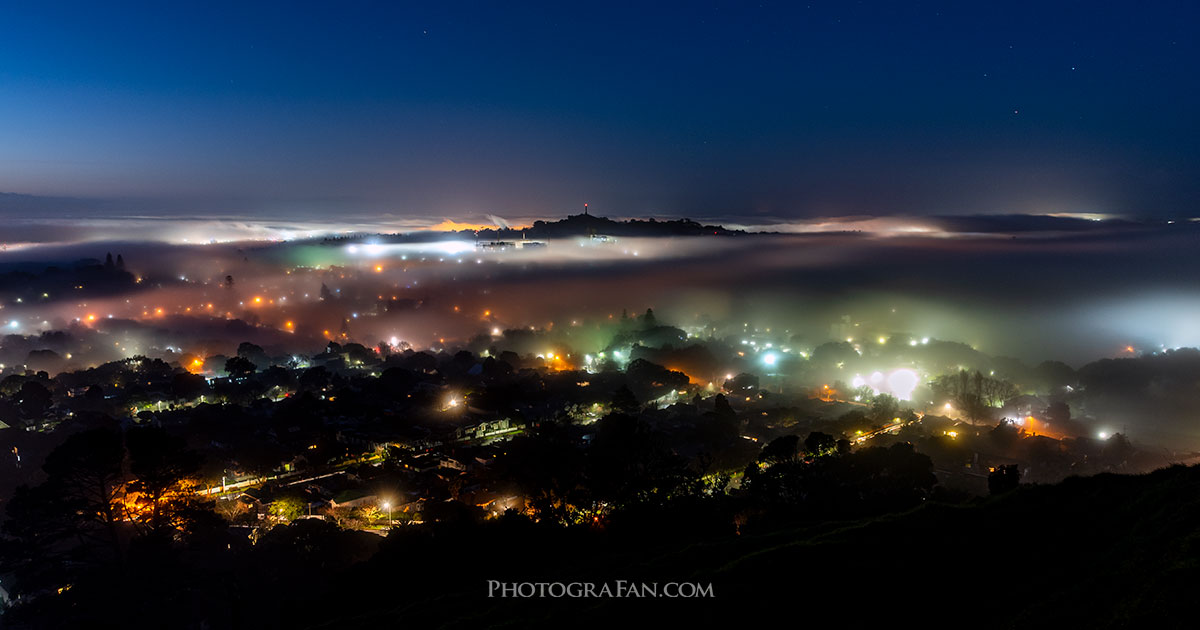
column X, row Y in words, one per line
column 727, row 110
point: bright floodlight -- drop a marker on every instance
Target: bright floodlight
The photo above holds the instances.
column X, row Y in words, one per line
column 770, row 358
column 902, row 383
column 1103, row 435
column 453, row 247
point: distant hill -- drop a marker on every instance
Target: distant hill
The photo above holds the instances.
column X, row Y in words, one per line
column 573, row 226
column 588, row 224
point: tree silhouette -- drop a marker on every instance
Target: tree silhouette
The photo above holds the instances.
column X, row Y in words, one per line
column 34, row 400
column 1004, row 478
column 624, row 401
column 818, row 443
column 86, row 473
column 239, row 367
column 781, row 449
column 721, row 407
column 160, row 464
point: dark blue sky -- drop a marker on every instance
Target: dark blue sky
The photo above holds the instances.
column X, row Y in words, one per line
column 702, row 109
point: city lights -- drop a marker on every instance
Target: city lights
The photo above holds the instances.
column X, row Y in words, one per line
column 860, row 298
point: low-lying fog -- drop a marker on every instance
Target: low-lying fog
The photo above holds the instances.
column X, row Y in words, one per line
column 1074, row 295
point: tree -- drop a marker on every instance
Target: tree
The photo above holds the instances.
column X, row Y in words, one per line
column 742, row 383
column 161, row 465
column 94, row 395
column 239, row 367
column 287, row 508
column 624, row 401
column 85, row 473
column 651, row 379
column 884, row 408
column 649, row 320
column 250, row 351
column 34, row 400
column 1005, row 434
column 342, row 516
column 781, row 449
column 1117, row 448
column 186, row 386
column 1004, row 478
column 369, row 515
column 33, row 549
column 818, row 443
column 276, row 376
column 833, row 352
column 974, row 394
column 232, row 510
column 315, row 378
column 722, row 408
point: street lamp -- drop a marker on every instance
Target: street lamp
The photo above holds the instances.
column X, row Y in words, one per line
column 387, row 505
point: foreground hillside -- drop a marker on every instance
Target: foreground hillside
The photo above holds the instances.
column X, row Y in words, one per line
column 1105, row 551
column 1109, row 551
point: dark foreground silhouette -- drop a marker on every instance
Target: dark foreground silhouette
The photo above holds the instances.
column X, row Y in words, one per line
column 1104, row 551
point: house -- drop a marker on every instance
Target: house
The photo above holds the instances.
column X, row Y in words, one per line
column 423, row 463
column 450, row 462
column 484, row 429
column 1022, row 407
column 353, row 499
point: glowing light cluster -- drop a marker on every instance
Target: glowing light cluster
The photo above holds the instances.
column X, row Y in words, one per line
column 899, row 383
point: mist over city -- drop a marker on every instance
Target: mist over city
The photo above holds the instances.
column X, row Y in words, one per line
column 523, row 316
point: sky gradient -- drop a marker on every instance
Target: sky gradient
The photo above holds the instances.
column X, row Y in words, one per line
column 702, row 109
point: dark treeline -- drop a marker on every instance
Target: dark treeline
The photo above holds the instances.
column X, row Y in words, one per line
column 823, row 535
column 34, row 284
